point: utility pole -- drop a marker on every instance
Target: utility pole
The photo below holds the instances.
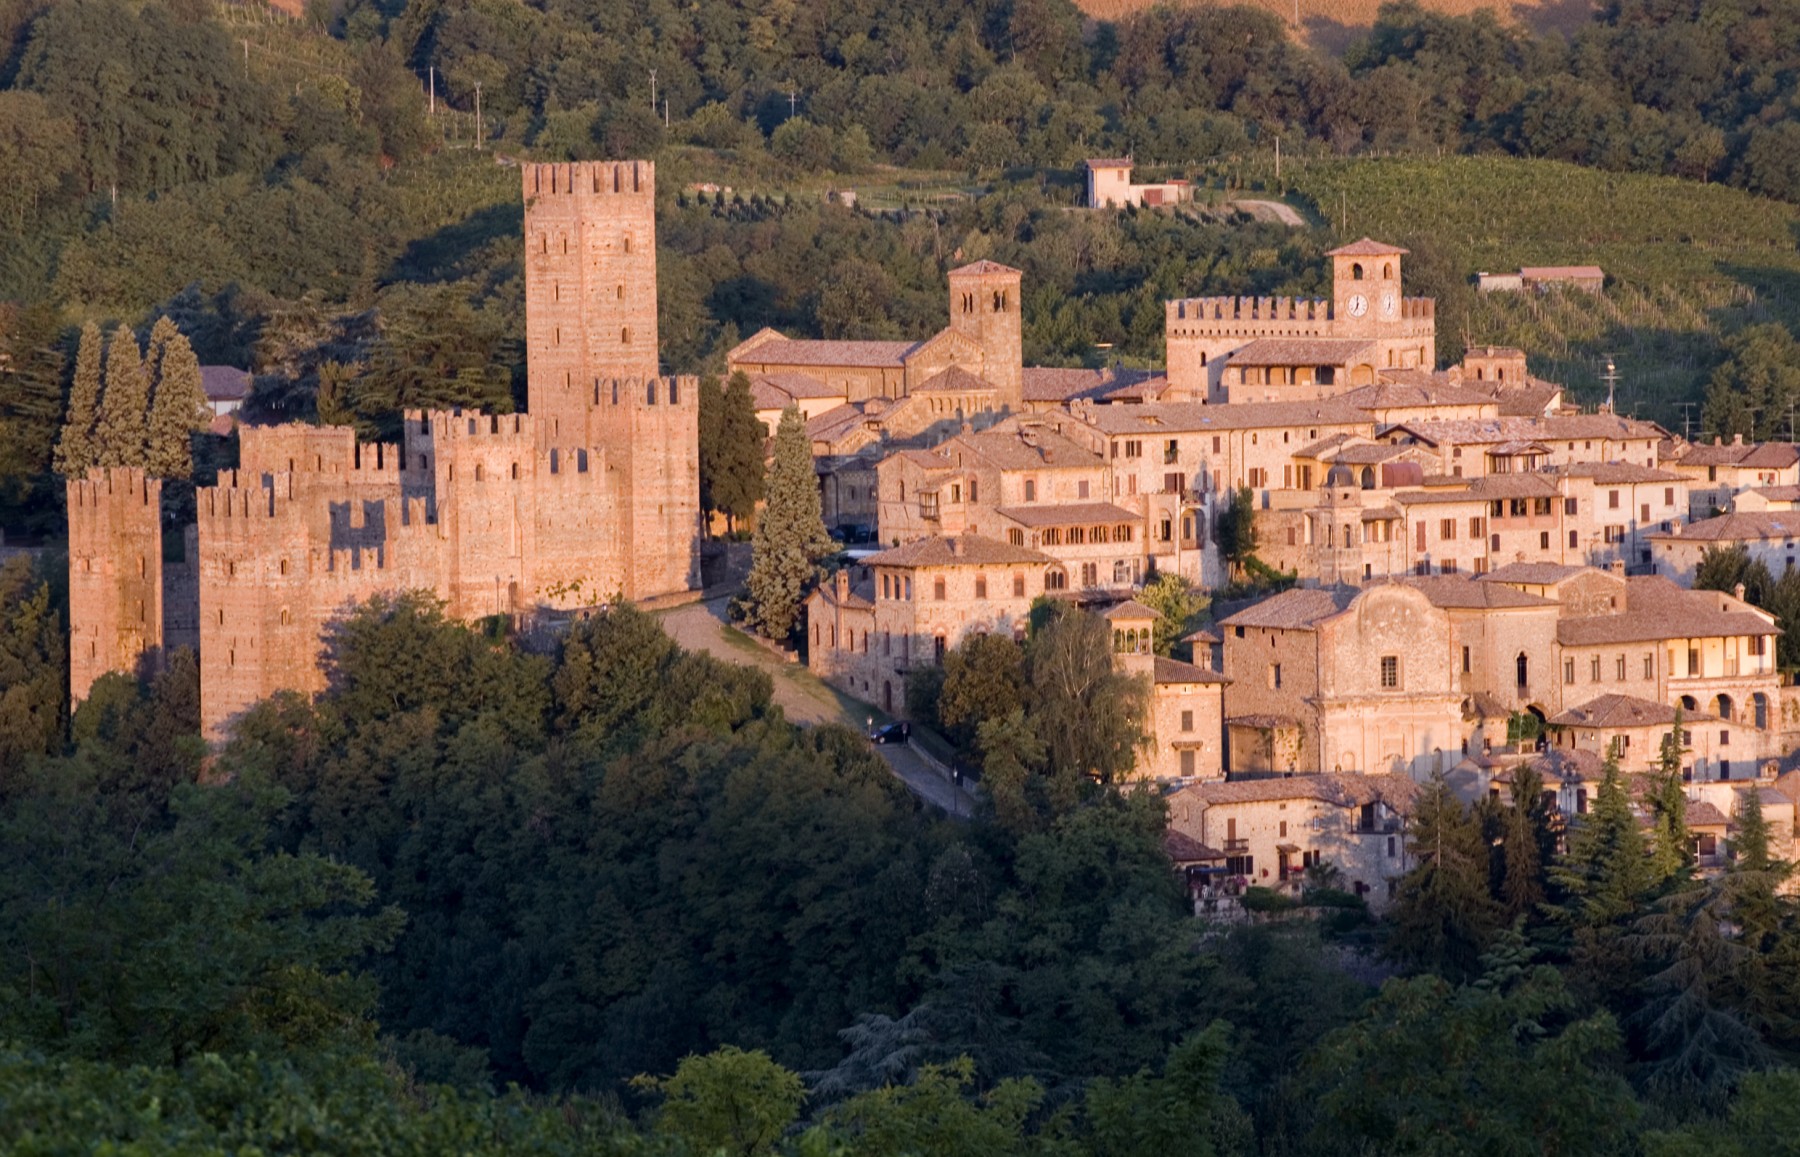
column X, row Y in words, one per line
column 1687, row 420
column 653, row 92
column 246, row 56
column 1611, row 378
column 478, row 116
column 1277, row 160
column 431, row 72
column 792, row 95
column 665, row 112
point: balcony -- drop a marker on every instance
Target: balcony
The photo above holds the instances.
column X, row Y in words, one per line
column 1236, row 847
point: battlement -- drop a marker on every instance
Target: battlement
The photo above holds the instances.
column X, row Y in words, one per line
column 589, row 178
column 296, row 448
column 115, row 486
column 1248, row 309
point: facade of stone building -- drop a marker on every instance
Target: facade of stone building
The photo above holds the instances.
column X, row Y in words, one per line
column 1718, row 471
column 591, row 496
column 1766, row 536
column 1302, row 350
column 1184, row 719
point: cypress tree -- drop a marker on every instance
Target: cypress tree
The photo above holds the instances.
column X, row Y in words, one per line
column 32, row 365
column 1444, row 916
column 738, row 479
column 76, row 450
column 1750, row 850
column 1526, row 845
column 790, row 537
column 177, row 405
column 1670, row 850
column 1604, row 878
column 122, row 434
column 712, row 403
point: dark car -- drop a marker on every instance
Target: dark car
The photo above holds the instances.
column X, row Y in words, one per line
column 891, row 733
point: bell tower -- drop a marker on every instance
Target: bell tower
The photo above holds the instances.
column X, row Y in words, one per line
column 985, row 308
column 1365, row 288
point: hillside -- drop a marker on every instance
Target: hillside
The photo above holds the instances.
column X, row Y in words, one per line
column 1333, row 24
column 1687, row 263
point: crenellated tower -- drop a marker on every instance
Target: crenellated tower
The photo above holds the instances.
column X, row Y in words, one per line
column 115, row 573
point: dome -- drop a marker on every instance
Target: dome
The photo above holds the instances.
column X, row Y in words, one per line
column 1339, row 475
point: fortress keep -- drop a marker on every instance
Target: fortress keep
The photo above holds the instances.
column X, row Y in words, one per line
column 591, row 495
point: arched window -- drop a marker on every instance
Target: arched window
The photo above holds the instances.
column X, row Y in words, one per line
column 650, row 392
column 625, row 336
column 1759, row 705
column 1387, row 270
column 1524, row 669
column 1723, row 707
column 1368, row 477
column 1356, row 272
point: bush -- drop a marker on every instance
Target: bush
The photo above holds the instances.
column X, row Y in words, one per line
column 1259, row 899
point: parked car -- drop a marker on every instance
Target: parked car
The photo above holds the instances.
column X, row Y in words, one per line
column 891, row 733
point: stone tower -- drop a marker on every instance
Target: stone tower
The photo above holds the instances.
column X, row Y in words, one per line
column 115, row 573
column 590, row 285
column 1365, row 288
column 985, row 308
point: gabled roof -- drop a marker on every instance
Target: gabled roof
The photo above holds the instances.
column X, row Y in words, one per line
column 1025, row 447
column 1197, row 417
column 1340, row 788
column 960, row 550
column 862, row 354
column 1068, row 514
column 1394, row 395
column 1365, row 248
column 1185, row 849
column 1750, row 526
column 1130, row 611
column 1174, row 671
column 1108, row 162
column 1657, row 609
column 1555, row 272
column 1623, row 711
column 1298, row 609
column 1453, row 591
column 779, row 390
column 1532, row 573
column 984, row 268
column 1557, row 427
column 1701, row 814
column 1300, row 351
column 1619, row 473
column 953, row 380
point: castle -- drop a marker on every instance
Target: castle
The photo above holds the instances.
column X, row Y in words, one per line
column 591, row 495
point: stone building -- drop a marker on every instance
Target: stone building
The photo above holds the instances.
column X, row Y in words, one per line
column 592, row 495
column 1109, row 186
column 1717, row 472
column 1289, row 349
column 1184, row 722
column 1766, row 536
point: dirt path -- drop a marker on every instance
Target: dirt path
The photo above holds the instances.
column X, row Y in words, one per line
column 805, row 698
column 1277, row 211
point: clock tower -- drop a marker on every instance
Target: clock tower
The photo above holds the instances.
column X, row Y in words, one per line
column 1365, row 289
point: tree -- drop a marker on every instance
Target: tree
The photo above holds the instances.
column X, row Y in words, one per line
column 730, row 1101
column 984, row 678
column 1603, row 878
column 1444, row 917
column 1671, row 850
column 34, row 674
column 1173, row 1114
column 1755, row 387
column 1181, row 606
column 32, row 363
column 177, row 402
column 712, row 401
column 1091, row 713
column 933, row 1113
column 121, row 436
column 77, row 451
column 737, row 465
column 1012, row 759
column 1721, row 568
column 1235, row 527
column 790, row 536
column 1526, row 845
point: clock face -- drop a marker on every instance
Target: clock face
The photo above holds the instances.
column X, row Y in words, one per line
column 1359, row 305
column 1389, row 303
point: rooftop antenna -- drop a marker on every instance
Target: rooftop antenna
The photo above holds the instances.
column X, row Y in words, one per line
column 1611, row 378
column 1687, row 420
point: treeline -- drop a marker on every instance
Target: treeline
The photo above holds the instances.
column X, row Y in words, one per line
column 609, row 872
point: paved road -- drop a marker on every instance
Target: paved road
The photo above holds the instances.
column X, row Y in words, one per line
column 807, row 699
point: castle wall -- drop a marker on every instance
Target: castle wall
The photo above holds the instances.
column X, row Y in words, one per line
column 115, row 573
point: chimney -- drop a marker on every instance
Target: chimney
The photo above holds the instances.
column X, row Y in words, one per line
column 1737, row 439
column 843, row 585
column 956, row 547
column 1618, row 567
column 1738, row 592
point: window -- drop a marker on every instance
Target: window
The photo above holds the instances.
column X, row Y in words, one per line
column 1540, row 506
column 1052, row 537
column 1448, row 566
column 1447, row 529
column 1187, row 720
column 1166, row 530
column 1187, row 762
column 1612, row 499
column 937, row 588
column 1569, row 671
column 1620, row 665
column 1466, row 661
column 1018, row 586
column 1668, row 496
column 1171, row 452
column 1615, row 534
column 1693, row 661
column 1030, row 490
column 1594, row 669
column 1275, row 676
column 1090, row 574
column 974, row 490
column 1215, row 443
column 1390, row 671
column 1474, row 528
column 1522, row 667
column 1574, row 542
column 1568, row 506
column 1081, row 490
column 956, row 492
column 1650, row 666
column 1237, row 632
column 1172, row 483
column 981, row 586
column 1515, row 507
column 1724, row 738
column 1134, row 448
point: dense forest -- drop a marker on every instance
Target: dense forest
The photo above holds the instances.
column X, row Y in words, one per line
column 592, row 893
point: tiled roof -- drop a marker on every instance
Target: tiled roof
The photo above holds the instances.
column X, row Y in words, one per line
column 1196, row 417
column 1185, row 849
column 1262, row 721
column 1297, row 609
column 1701, row 814
column 1464, row 592
column 1109, row 162
column 1426, row 497
column 1300, row 351
column 778, row 391
column 1533, row 573
column 1340, row 788
column 1203, row 635
column 1619, row 473
column 1526, row 485
column 1148, row 389
column 983, row 268
column 953, row 380
column 1528, row 400
column 1777, row 493
column 1557, row 427
column 1771, row 456
column 833, row 423
column 1367, row 454
column 963, row 550
column 1028, row 447
column 1391, row 395
column 865, row 354
column 1131, row 611
column 1657, row 609
column 1750, row 526
column 1175, row 671
column 1553, row 272
column 1068, row 514
column 1366, row 247
column 1057, row 384
column 1622, row 711
column 860, row 596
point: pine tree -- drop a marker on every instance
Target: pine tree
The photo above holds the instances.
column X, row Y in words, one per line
column 1526, row 845
column 122, row 434
column 177, row 405
column 1604, row 878
column 1671, row 851
column 1444, row 916
column 738, row 477
column 1750, row 850
column 76, row 450
column 790, row 537
column 32, row 365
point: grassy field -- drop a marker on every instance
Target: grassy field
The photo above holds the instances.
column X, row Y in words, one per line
column 1686, row 263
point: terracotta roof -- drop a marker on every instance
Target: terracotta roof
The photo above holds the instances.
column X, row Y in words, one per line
column 1533, row 573
column 1262, row 722
column 1617, row 473
column 1056, row 384
column 1558, row 427
column 1657, row 609
column 1149, row 389
column 1203, row 635
column 1528, row 400
column 1185, row 849
column 1297, row 609
column 778, row 391
column 983, row 268
column 1196, row 417
column 1299, row 351
column 1108, row 162
column 1130, row 611
column 1068, row 514
column 1553, row 272
column 1344, row 789
column 1027, row 447
column 953, row 380
column 1175, row 671
column 834, row 422
column 1365, row 248
column 869, row 354
column 1750, row 526
column 1391, row 395
column 1426, row 497
column 224, row 383
column 1777, row 493
column 1464, row 592
column 1623, row 711
column 1701, row 814
column 1367, row 454
column 962, row 550
column 860, row 596
column 1554, row 764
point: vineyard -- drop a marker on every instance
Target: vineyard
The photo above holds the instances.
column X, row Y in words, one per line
column 1686, row 263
